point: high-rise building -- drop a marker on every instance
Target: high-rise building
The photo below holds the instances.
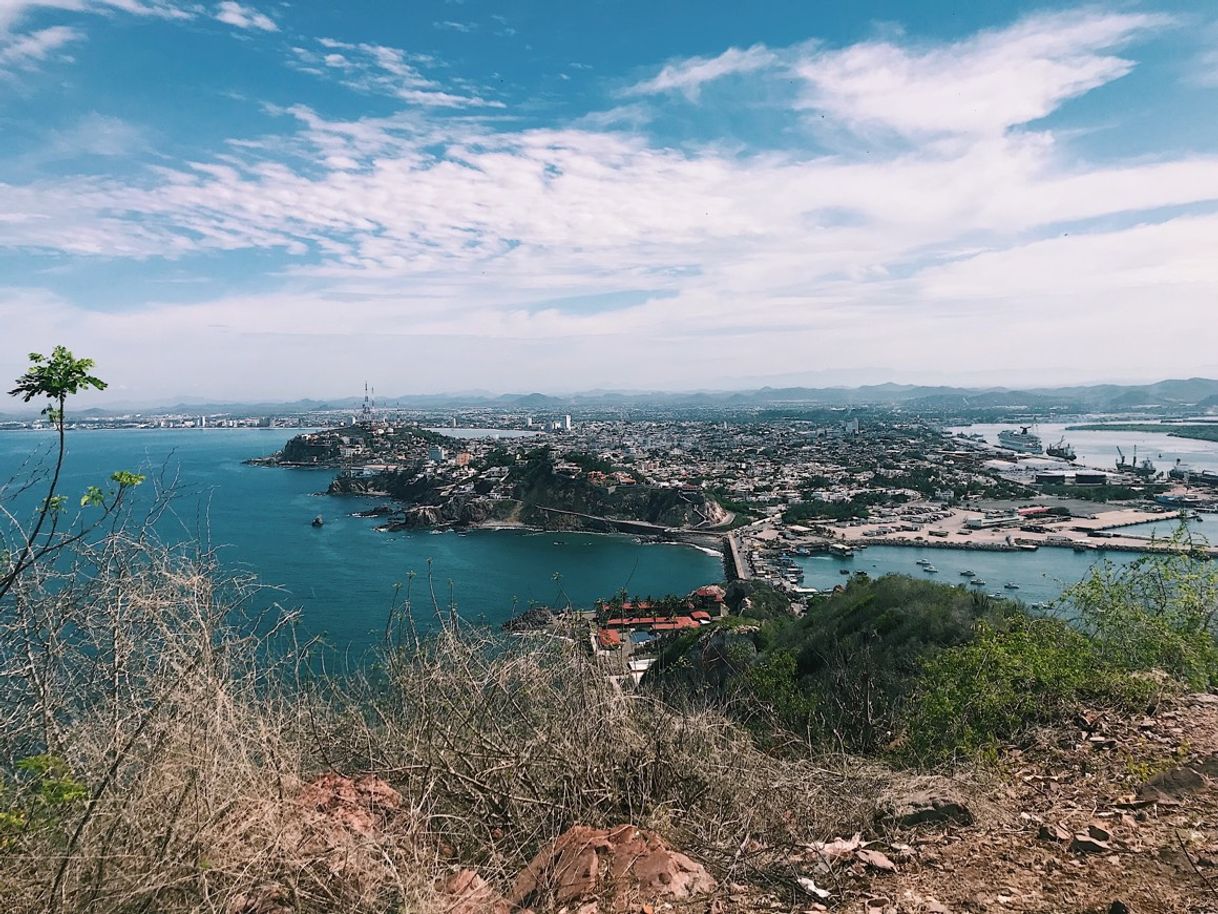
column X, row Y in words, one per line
column 566, row 423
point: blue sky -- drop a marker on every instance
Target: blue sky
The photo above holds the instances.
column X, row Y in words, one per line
column 281, row 199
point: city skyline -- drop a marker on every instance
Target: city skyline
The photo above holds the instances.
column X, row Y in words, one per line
column 259, row 201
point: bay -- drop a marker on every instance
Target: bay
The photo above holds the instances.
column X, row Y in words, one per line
column 1099, row 449
column 341, row 576
column 1041, row 576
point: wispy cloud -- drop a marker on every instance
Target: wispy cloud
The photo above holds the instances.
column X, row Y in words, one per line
column 982, row 85
column 25, row 50
column 451, row 25
column 383, row 70
column 690, row 75
column 244, row 17
column 12, row 11
column 19, row 52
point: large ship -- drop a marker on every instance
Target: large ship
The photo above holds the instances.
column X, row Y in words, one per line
column 1145, row 469
column 1061, row 450
column 1022, row 441
column 1182, row 472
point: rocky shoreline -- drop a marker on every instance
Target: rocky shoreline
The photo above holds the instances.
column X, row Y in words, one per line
column 529, row 487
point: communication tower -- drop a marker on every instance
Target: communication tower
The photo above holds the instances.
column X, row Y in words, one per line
column 365, row 412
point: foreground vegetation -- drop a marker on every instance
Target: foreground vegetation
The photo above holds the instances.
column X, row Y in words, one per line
column 162, row 726
column 920, row 673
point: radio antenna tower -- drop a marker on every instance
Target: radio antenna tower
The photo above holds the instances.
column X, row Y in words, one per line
column 366, row 411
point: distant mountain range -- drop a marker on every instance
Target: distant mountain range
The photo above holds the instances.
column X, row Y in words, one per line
column 1201, row 393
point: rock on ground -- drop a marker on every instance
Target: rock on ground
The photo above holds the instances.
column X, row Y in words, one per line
column 925, row 807
column 620, row 867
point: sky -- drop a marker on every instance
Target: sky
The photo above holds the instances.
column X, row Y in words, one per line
column 275, row 200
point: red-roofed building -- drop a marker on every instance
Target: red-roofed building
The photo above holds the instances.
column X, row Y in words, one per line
column 634, row 621
column 674, row 624
column 608, row 639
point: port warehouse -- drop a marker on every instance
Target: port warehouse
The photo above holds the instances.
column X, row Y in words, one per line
column 1077, row 479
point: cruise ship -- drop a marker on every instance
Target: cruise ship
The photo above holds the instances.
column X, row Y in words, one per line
column 1022, row 441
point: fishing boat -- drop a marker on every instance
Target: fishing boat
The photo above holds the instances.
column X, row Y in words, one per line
column 977, row 582
column 1011, row 585
column 967, row 573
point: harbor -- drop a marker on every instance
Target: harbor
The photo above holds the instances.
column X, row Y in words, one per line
column 1039, row 579
column 1103, row 450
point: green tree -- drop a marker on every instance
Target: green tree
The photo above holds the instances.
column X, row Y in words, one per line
column 55, row 378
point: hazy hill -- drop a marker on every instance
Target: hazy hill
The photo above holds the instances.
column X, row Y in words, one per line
column 1201, row 393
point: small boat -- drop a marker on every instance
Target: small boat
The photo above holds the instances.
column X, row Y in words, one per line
column 994, row 596
column 923, row 562
column 967, row 573
column 977, row 582
column 1011, row 585
column 318, row 521
column 930, row 569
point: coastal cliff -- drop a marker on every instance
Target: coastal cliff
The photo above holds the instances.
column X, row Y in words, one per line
column 532, row 486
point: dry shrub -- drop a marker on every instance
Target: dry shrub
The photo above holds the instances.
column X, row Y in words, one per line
column 134, row 672
column 178, row 736
column 505, row 745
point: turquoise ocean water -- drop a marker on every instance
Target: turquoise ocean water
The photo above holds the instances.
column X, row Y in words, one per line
column 341, row 576
column 1040, row 576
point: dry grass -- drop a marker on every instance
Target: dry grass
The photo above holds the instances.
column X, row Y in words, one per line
column 192, row 739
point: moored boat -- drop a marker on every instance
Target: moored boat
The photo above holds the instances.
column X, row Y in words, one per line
column 1061, row 450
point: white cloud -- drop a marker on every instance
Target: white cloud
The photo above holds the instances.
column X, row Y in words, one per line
column 11, row 11
column 982, row 85
column 479, row 238
column 244, row 17
column 22, row 51
column 690, row 75
column 384, row 70
column 450, row 25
